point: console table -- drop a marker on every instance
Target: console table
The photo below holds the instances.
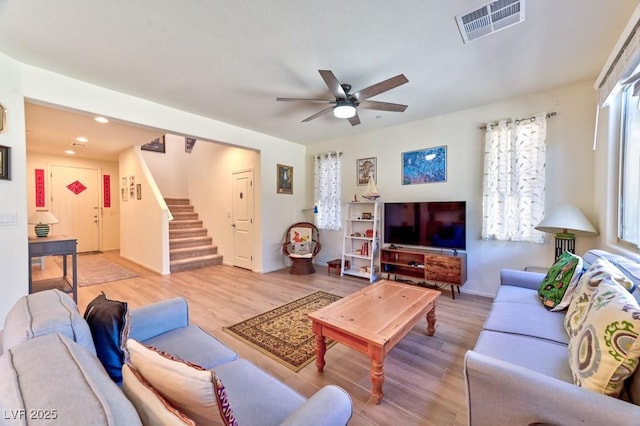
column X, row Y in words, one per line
column 55, row 245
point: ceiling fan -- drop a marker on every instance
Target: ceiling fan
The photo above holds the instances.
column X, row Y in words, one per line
column 345, row 103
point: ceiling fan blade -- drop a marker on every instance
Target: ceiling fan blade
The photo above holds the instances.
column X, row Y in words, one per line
column 355, row 120
column 381, row 87
column 318, row 114
column 305, row 100
column 382, row 106
column 333, row 84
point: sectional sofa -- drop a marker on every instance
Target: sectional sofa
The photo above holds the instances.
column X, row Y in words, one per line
column 533, row 366
column 49, row 371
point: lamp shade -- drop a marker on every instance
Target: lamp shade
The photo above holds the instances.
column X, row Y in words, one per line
column 344, row 109
column 566, row 219
column 41, row 217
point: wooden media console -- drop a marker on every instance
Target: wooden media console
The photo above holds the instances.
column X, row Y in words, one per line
column 426, row 265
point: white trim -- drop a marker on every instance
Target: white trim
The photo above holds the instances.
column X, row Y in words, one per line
column 622, row 60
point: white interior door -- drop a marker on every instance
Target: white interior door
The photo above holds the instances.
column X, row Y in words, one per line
column 75, row 201
column 242, row 216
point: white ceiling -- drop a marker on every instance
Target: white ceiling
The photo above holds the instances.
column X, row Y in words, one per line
column 229, row 60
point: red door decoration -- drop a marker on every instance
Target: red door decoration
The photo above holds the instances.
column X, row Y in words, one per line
column 106, row 181
column 76, row 187
column 40, row 188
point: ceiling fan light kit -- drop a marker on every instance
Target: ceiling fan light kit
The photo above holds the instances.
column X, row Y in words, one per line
column 344, row 109
column 346, row 103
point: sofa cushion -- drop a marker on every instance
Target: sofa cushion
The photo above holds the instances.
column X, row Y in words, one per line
column 45, row 312
column 627, row 266
column 152, row 407
column 542, row 356
column 193, row 344
column 526, row 317
column 109, row 324
column 188, row 387
column 556, row 290
column 605, row 348
column 57, row 378
column 599, row 270
column 256, row 397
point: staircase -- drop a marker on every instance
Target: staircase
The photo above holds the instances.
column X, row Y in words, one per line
column 189, row 245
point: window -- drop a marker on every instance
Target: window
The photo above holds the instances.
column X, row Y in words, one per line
column 514, row 180
column 629, row 204
column 327, row 189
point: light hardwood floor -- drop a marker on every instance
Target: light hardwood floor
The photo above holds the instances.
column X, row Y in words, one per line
column 423, row 375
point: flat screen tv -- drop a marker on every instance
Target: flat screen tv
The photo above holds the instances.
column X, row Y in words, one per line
column 440, row 224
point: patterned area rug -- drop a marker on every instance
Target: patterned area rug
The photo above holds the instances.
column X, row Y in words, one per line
column 96, row 269
column 285, row 333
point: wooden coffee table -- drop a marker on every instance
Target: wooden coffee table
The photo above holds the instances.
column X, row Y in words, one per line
column 373, row 321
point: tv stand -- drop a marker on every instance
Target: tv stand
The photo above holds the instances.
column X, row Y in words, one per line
column 431, row 266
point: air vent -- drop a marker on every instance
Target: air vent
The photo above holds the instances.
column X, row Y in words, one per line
column 488, row 19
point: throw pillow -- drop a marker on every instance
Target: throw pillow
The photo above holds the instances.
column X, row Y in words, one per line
column 605, row 348
column 109, row 324
column 599, row 270
column 302, row 248
column 152, row 408
column 188, row 387
column 557, row 288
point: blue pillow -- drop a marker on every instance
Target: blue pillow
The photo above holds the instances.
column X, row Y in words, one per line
column 109, row 324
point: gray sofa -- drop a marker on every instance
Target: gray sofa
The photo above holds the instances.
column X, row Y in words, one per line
column 49, row 370
column 518, row 371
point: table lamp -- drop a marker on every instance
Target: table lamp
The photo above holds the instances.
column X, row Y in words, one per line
column 566, row 221
column 42, row 219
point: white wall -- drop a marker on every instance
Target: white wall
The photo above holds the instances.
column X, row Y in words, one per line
column 170, row 170
column 144, row 221
column 109, row 216
column 13, row 195
column 210, row 189
column 569, row 172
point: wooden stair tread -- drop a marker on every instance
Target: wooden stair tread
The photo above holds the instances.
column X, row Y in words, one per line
column 194, row 248
column 199, row 258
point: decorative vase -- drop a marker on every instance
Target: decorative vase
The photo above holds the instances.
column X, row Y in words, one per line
column 42, row 230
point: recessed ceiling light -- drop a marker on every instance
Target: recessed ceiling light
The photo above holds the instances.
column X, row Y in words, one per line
column 101, row 120
column 69, row 152
column 82, row 139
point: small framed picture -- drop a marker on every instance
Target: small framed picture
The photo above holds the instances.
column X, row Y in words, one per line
column 367, row 215
column 5, row 163
column 138, row 191
column 285, row 179
column 366, row 169
column 156, row 145
column 2, row 118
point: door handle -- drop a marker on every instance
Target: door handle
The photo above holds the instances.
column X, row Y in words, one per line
column 233, row 225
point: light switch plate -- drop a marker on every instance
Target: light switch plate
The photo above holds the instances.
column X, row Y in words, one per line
column 8, row 219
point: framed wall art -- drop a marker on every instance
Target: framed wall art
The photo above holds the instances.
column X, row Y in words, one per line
column 285, row 179
column 156, row 145
column 5, row 162
column 424, row 166
column 2, row 118
column 365, row 169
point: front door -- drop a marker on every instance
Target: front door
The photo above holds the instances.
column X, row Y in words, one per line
column 242, row 217
column 75, row 202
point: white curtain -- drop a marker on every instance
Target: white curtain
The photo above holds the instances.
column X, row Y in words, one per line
column 514, row 179
column 327, row 190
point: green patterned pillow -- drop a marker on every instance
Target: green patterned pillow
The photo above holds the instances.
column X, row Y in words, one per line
column 604, row 350
column 600, row 270
column 556, row 290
